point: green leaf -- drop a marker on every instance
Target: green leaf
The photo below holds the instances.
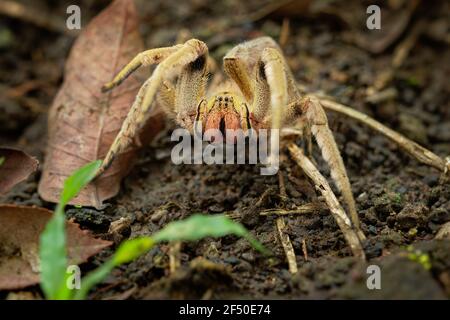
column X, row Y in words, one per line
column 194, row 228
column 93, row 278
column 2, row 160
column 53, row 256
column 128, row 251
column 132, row 249
column 200, row 226
column 78, row 181
column 52, row 246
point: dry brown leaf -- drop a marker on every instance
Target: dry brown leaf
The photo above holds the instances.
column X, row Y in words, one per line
column 83, row 122
column 20, row 228
column 15, row 166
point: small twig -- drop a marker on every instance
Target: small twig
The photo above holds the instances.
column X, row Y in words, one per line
column 123, row 295
column 208, row 294
column 420, row 153
column 322, row 185
column 308, row 208
column 305, row 249
column 287, row 246
column 383, row 95
column 284, row 237
column 234, row 215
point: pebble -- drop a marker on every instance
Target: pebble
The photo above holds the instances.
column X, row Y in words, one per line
column 250, row 257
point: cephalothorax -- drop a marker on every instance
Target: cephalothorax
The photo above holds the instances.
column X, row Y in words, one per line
column 261, row 92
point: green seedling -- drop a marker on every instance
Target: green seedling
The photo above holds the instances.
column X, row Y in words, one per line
column 52, row 246
column 53, row 252
column 420, row 257
column 194, row 228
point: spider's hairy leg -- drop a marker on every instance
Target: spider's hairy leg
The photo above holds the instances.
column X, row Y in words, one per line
column 189, row 56
column 318, row 122
column 235, row 68
column 145, row 58
column 190, row 89
column 166, row 98
column 272, row 76
column 240, row 62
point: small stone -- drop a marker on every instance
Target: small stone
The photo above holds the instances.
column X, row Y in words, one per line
column 375, row 250
column 216, row 208
column 250, row 257
column 120, row 226
column 413, row 215
column 431, row 180
column 372, row 229
column 362, row 197
column 120, row 229
column 158, row 214
column 232, row 260
column 370, row 218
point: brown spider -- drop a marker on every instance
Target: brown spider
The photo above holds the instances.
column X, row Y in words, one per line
column 262, row 94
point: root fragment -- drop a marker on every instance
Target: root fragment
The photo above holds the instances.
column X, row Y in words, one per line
column 287, row 246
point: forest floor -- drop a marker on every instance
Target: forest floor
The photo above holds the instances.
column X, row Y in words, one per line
column 400, row 201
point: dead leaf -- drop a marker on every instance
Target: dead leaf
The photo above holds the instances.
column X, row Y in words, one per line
column 83, row 121
column 15, row 166
column 20, row 228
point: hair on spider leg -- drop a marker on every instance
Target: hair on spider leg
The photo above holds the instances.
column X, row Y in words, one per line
column 209, row 75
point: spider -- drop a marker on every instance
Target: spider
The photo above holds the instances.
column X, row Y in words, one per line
column 261, row 92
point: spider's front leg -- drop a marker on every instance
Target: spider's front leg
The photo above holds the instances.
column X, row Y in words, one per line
column 274, row 80
column 318, row 122
column 191, row 58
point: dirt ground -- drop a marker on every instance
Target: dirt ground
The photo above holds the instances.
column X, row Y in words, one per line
column 400, row 201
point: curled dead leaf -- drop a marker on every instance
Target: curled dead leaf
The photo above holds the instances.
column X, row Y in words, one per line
column 15, row 167
column 83, row 121
column 20, row 228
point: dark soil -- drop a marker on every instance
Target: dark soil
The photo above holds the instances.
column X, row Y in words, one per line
column 400, row 201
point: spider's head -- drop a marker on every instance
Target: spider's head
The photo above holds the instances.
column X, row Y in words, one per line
column 225, row 112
